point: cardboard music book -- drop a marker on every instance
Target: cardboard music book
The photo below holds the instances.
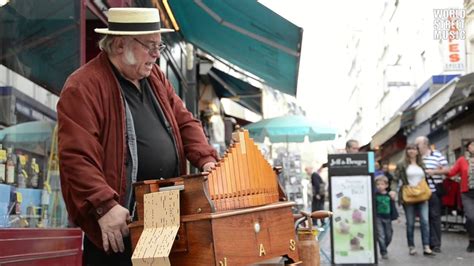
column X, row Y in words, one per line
column 161, row 224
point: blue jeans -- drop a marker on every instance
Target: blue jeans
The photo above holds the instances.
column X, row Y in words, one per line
column 410, row 212
column 384, row 233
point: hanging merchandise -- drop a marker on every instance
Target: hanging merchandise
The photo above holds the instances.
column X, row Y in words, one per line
column 22, row 176
column 34, row 173
column 3, row 160
column 10, row 167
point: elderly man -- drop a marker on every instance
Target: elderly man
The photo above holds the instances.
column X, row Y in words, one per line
column 352, row 146
column 121, row 122
column 436, row 167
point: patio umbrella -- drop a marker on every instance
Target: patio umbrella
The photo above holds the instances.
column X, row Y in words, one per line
column 290, row 128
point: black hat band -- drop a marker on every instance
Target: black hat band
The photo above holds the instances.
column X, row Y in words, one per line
column 119, row 26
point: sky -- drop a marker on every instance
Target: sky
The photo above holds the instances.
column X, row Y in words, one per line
column 324, row 63
column 328, row 26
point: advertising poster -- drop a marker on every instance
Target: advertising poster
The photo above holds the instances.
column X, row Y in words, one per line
column 352, row 223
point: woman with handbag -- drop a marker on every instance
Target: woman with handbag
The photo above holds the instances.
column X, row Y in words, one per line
column 414, row 195
column 464, row 167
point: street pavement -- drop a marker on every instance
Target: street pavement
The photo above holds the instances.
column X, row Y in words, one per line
column 453, row 248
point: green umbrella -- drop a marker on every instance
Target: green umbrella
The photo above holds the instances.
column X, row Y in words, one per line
column 290, row 128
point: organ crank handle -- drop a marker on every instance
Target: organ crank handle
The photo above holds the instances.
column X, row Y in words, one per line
column 313, row 215
column 302, row 216
column 317, row 214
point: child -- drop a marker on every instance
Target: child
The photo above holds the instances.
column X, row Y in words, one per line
column 385, row 213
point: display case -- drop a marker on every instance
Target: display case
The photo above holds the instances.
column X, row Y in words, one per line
column 30, row 191
column 34, row 225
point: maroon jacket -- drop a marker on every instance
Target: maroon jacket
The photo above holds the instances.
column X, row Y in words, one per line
column 92, row 148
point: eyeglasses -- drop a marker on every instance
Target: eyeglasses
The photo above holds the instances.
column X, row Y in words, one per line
column 152, row 48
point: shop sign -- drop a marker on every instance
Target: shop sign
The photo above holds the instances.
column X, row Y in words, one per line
column 408, row 118
column 351, row 201
column 351, row 163
column 449, row 26
column 353, row 229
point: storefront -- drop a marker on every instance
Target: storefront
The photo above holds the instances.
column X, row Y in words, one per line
column 457, row 117
column 413, row 120
column 422, row 113
column 389, row 141
column 41, row 44
column 39, row 47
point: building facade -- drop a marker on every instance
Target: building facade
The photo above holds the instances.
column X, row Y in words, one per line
column 392, row 58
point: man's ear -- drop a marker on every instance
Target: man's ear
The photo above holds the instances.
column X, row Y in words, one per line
column 119, row 45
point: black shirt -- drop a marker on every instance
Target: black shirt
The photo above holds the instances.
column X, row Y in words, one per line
column 157, row 156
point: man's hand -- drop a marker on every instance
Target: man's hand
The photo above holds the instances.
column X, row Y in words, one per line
column 114, row 227
column 318, row 196
column 209, row 166
column 430, row 172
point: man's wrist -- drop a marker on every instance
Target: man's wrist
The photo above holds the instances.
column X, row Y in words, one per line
column 103, row 208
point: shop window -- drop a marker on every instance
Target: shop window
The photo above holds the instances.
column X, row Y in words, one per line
column 163, row 64
column 176, row 54
column 30, row 191
column 183, row 63
column 174, row 80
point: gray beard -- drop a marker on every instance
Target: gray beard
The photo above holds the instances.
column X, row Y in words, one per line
column 129, row 58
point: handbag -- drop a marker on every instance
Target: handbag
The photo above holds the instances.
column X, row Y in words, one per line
column 415, row 194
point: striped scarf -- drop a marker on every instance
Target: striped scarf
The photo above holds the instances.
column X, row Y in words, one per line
column 470, row 161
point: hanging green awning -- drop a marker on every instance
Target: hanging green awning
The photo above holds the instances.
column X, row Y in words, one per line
column 41, row 40
column 246, row 34
column 227, row 86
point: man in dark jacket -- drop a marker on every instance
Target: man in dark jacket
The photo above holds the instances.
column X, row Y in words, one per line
column 319, row 189
column 120, row 121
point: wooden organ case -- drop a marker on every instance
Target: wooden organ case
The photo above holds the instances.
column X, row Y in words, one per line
column 235, row 215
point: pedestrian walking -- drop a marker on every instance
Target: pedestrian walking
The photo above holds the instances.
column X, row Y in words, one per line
column 464, row 167
column 386, row 212
column 436, row 167
column 411, row 172
column 319, row 191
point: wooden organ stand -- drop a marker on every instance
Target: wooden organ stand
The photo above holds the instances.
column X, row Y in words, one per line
column 235, row 215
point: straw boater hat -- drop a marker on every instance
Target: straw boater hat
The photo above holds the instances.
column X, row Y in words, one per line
column 133, row 21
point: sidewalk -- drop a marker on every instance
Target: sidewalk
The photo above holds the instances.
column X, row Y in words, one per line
column 453, row 249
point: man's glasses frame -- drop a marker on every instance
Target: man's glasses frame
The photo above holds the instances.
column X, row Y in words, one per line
column 152, row 47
